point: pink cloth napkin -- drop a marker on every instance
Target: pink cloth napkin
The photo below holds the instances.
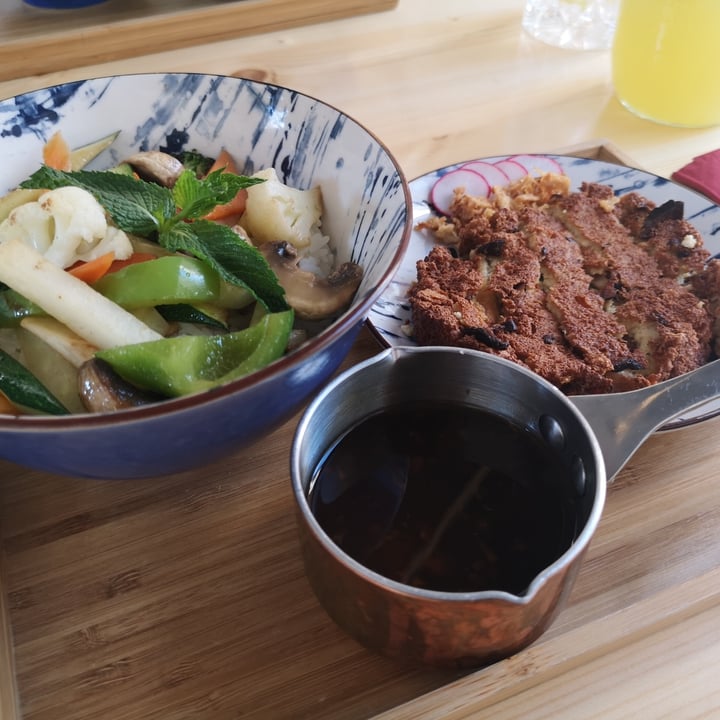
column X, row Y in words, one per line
column 702, row 174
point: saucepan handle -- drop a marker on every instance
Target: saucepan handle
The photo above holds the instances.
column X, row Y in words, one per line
column 623, row 421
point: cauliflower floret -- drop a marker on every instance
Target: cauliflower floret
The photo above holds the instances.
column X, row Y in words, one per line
column 66, row 225
column 276, row 212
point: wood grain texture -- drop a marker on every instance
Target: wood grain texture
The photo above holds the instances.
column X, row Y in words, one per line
column 184, row 597
column 37, row 40
column 9, row 702
column 599, row 149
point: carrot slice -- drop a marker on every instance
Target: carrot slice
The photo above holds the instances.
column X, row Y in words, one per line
column 92, row 270
column 56, row 153
column 7, row 407
column 236, row 207
column 137, row 257
column 224, row 161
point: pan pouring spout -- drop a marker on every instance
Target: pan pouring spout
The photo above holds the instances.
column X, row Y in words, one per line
column 519, row 477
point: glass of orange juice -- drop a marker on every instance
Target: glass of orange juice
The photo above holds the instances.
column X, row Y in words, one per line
column 666, row 60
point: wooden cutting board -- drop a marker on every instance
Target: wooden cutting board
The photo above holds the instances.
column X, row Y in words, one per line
column 8, row 691
column 184, row 597
column 37, row 40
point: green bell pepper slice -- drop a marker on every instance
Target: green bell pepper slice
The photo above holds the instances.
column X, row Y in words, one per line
column 193, row 363
column 167, row 279
column 171, row 279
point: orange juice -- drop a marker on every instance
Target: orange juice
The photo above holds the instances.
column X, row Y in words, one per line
column 666, row 60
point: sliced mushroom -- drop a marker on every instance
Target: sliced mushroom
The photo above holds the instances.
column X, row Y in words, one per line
column 156, row 166
column 312, row 296
column 101, row 389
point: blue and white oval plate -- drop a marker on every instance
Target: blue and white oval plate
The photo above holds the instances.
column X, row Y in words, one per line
column 390, row 315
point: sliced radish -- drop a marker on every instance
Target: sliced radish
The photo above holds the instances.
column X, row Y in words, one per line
column 492, row 173
column 442, row 195
column 538, row 164
column 512, row 169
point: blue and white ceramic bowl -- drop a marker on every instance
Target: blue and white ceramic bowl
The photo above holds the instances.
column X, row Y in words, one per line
column 367, row 214
column 390, row 316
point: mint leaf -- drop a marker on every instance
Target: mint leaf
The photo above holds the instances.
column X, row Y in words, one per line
column 224, row 186
column 136, row 206
column 198, row 197
column 192, row 196
column 149, row 210
column 225, row 251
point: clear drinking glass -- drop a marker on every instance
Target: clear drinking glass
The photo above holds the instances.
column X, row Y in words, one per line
column 666, row 60
column 572, row 24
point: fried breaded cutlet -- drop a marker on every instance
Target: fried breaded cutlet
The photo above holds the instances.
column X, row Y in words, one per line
column 595, row 293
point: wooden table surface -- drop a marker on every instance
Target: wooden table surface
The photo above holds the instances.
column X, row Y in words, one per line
column 183, row 597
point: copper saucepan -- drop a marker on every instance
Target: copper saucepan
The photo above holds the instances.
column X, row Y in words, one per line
column 594, row 437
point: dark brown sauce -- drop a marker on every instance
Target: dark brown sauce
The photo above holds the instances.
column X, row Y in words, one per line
column 451, row 499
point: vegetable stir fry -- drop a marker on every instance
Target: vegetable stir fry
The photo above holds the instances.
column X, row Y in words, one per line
column 160, row 277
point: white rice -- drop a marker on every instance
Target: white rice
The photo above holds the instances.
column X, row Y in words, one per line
column 318, row 256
